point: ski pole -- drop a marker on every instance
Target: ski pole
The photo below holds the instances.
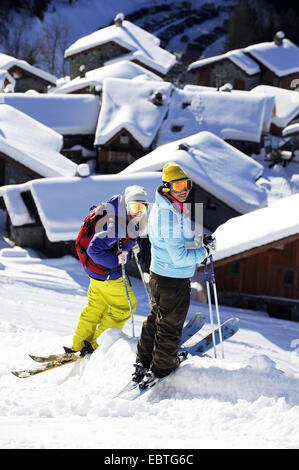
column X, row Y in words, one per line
column 128, row 297
column 142, row 277
column 210, row 308
column 216, row 304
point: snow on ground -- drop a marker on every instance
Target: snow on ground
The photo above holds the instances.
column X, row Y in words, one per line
column 250, row 399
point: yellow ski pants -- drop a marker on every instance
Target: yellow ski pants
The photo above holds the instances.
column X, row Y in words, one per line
column 107, row 307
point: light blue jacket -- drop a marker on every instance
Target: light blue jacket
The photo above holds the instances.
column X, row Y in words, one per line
column 168, row 230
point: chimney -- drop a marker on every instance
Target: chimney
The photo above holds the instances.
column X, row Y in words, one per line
column 157, row 98
column 82, row 70
column 118, row 20
column 278, row 38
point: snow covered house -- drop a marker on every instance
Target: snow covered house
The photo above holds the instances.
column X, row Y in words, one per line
column 235, row 67
column 26, row 76
column 130, row 117
column 274, row 63
column 73, row 116
column 122, row 40
column 257, row 259
column 29, row 150
column 134, row 120
column 92, row 81
column 286, row 109
column 233, row 116
column 224, row 179
column 47, row 214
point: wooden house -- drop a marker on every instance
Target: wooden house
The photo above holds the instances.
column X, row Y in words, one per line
column 130, row 117
column 122, row 40
column 26, row 76
column 273, row 63
column 257, row 267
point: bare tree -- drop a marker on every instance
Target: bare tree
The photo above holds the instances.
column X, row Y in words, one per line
column 54, row 38
column 18, row 40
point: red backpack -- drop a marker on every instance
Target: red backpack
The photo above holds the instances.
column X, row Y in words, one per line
column 85, row 235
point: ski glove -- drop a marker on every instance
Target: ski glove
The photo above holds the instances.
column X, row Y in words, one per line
column 136, row 249
column 209, row 243
column 87, row 348
column 122, row 257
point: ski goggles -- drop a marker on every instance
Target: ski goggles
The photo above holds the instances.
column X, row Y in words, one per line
column 180, row 185
column 135, row 207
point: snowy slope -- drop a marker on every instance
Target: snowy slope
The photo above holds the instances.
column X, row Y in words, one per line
column 248, row 400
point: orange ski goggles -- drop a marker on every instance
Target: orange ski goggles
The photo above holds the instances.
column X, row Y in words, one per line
column 180, row 185
column 135, row 207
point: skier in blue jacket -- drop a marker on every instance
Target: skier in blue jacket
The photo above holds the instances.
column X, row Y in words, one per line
column 172, row 265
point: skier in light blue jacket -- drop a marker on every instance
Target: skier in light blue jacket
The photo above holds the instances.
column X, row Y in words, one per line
column 172, row 265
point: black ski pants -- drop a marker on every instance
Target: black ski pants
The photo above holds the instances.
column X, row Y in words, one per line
column 162, row 330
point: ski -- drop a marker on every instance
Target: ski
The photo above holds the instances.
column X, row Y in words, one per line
column 56, row 357
column 228, row 329
column 193, row 326
column 24, row 374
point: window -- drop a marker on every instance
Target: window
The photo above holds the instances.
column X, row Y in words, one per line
column 211, row 205
column 235, row 267
column 288, row 277
column 124, row 139
column 176, row 128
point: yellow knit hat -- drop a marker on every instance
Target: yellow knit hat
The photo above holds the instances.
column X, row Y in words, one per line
column 172, row 172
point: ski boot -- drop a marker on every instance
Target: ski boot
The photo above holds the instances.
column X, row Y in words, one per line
column 139, row 373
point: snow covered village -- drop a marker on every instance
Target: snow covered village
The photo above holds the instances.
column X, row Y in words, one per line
column 137, row 96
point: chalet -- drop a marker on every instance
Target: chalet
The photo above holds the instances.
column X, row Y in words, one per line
column 235, row 67
column 194, row 109
column 129, row 120
column 92, row 81
column 122, row 40
column 224, row 179
column 273, row 63
column 29, row 150
column 286, row 107
column 160, row 113
column 26, row 76
column 257, row 260
column 73, row 116
column 46, row 214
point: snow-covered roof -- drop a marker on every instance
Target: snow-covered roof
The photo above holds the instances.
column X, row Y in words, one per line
column 233, row 115
column 291, row 130
column 286, row 103
column 63, row 203
column 143, row 46
column 267, row 99
column 214, row 165
column 237, row 56
column 7, row 62
column 32, row 144
column 127, row 104
column 66, row 114
column 282, row 60
column 258, row 228
column 95, row 78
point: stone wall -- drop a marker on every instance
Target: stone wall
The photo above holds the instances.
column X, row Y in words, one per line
column 95, row 58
